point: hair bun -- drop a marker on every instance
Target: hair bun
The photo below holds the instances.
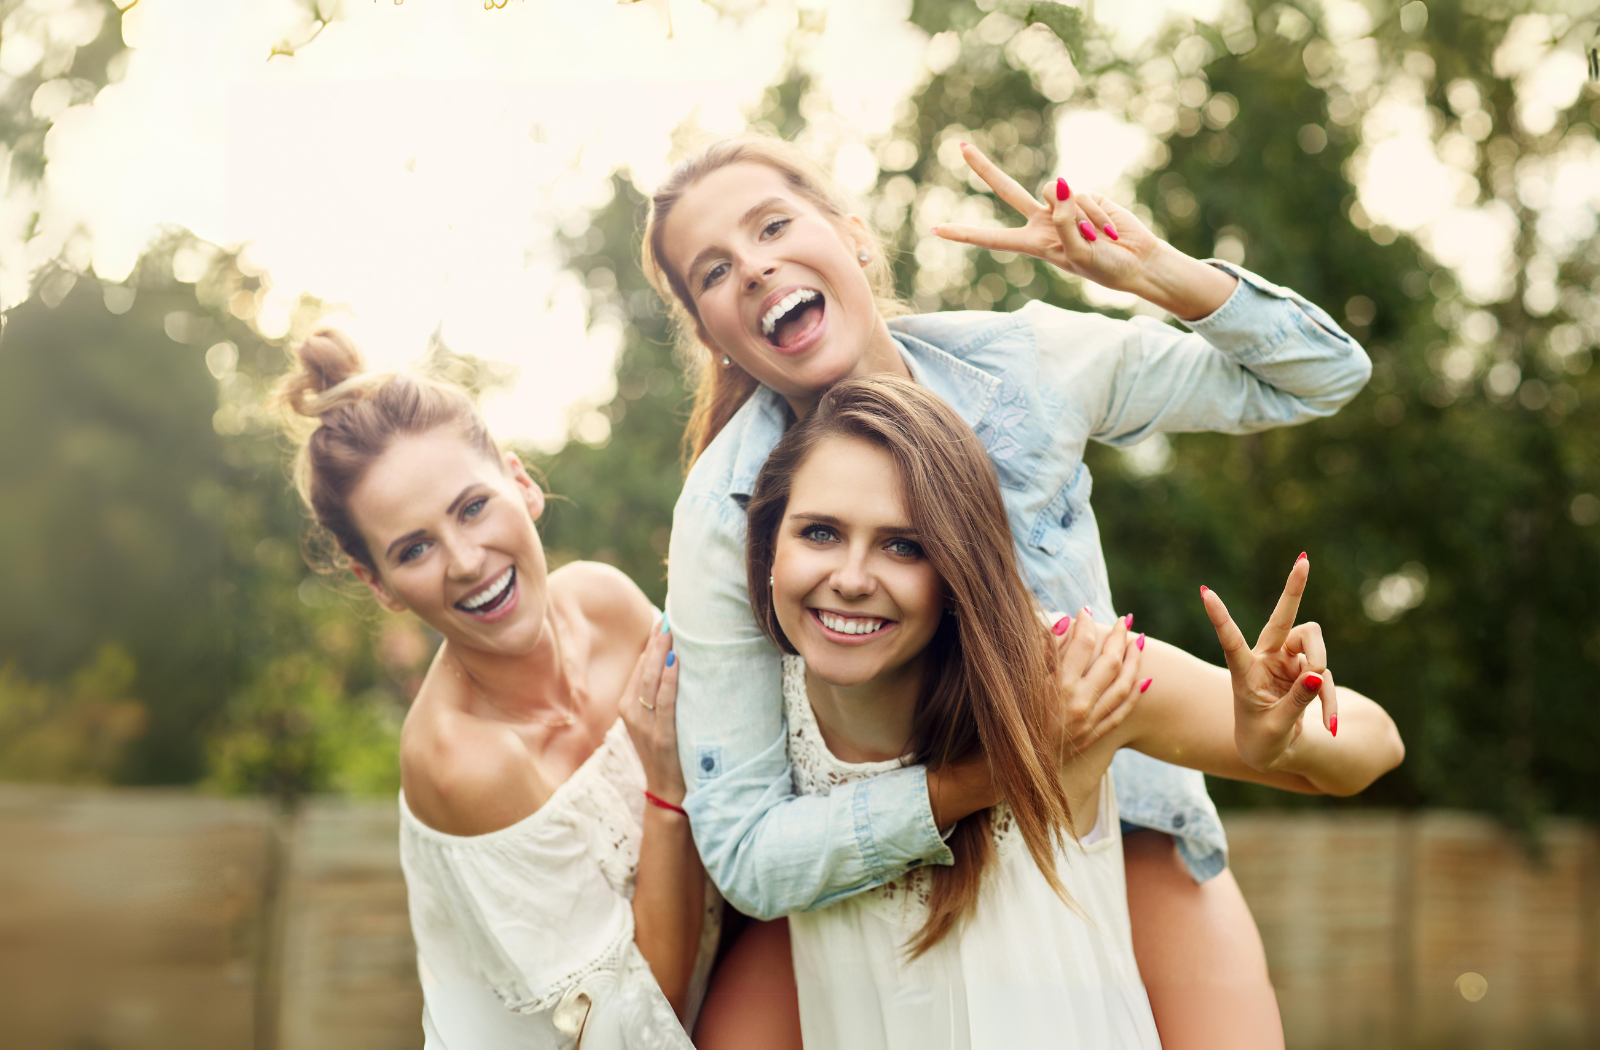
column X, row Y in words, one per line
column 328, row 360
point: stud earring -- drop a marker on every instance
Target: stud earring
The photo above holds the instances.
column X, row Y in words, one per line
column 727, row 362
column 863, row 255
column 772, row 581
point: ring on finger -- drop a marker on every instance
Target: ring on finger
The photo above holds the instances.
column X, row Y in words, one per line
column 647, row 707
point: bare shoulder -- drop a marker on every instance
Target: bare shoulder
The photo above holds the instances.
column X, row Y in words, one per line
column 464, row 775
column 605, row 597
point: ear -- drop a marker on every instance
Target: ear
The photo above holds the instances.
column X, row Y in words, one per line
column 531, row 492
column 375, row 585
column 860, row 234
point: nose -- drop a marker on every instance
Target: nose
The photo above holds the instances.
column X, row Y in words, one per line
column 759, row 275
column 463, row 558
column 853, row 579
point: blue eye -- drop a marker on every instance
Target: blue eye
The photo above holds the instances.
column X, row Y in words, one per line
column 473, row 509
column 413, row 551
column 905, row 548
column 818, row 533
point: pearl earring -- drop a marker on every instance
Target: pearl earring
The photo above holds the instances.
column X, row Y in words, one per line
column 727, row 362
column 772, row 581
column 863, row 255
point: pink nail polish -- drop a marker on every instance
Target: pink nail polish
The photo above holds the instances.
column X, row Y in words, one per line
column 1145, row 684
column 1141, row 643
column 1063, row 191
column 1313, row 682
column 1333, row 724
column 1061, row 626
column 1127, row 621
column 1087, row 231
column 1111, row 231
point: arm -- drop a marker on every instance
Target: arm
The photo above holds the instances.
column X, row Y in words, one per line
column 1259, row 355
column 669, row 887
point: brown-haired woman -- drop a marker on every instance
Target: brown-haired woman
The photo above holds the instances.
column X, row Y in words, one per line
column 554, row 888
column 880, row 559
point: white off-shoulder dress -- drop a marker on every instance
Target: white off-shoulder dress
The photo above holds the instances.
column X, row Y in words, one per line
column 525, row 935
column 1024, row 971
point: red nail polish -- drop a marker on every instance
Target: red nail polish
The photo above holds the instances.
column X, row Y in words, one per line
column 1145, row 684
column 1313, row 682
column 1083, row 611
column 1302, row 556
column 1129, row 622
column 1333, row 724
column 1063, row 191
column 1087, row 231
column 1202, row 588
column 1141, row 643
column 1111, row 231
column 1061, row 626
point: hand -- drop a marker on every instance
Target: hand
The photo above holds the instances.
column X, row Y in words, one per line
column 1093, row 236
column 1275, row 682
column 1097, row 690
column 649, row 703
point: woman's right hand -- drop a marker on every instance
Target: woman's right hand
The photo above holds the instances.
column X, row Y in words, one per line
column 1098, row 688
column 648, row 708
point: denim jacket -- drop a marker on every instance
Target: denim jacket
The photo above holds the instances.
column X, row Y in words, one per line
column 1035, row 385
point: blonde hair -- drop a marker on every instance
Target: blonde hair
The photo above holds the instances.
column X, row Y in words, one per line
column 357, row 415
column 989, row 682
column 720, row 391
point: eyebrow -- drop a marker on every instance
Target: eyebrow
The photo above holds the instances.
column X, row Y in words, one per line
column 744, row 220
column 417, row 534
column 829, row 519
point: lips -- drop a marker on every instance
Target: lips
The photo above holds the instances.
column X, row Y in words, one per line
column 792, row 318
column 850, row 630
column 495, row 596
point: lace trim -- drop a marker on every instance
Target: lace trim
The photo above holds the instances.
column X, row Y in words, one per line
column 609, row 796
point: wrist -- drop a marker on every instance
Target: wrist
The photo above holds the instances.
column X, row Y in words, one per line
column 1182, row 285
column 668, row 800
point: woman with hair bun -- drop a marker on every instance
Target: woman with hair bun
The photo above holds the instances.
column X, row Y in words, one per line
column 554, row 889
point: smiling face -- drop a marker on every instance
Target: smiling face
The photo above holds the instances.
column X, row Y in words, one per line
column 850, row 585
column 776, row 283
column 451, row 533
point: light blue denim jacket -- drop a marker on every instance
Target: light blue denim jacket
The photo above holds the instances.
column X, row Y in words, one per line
column 1036, row 385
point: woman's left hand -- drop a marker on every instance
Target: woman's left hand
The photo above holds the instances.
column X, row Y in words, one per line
column 1094, row 237
column 649, row 707
column 1275, row 682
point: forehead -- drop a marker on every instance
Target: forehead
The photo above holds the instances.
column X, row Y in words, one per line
column 710, row 210
column 416, row 479
column 852, row 480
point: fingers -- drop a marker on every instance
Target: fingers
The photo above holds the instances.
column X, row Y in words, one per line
column 1080, row 646
column 1281, row 622
column 1306, row 688
column 1108, row 665
column 654, row 661
column 1004, row 186
column 1095, row 213
column 1111, row 706
column 1306, row 640
column 1234, row 649
column 1330, row 702
column 996, row 238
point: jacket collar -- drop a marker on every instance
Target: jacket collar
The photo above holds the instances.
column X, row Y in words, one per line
column 966, row 388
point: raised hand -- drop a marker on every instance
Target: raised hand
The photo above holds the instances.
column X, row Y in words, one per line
column 648, row 706
column 1274, row 682
column 1094, row 237
column 1098, row 690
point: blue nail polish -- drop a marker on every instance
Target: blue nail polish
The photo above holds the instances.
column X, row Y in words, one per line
column 672, row 658
column 665, row 627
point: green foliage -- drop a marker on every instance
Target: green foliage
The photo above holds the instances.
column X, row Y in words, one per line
column 73, row 735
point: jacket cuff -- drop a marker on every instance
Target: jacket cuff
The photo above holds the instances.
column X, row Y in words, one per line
column 1260, row 317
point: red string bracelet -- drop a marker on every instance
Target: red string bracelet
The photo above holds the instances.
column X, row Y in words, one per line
column 656, row 800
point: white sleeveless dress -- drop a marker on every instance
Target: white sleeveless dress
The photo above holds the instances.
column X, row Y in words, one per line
column 525, row 935
column 1024, row 971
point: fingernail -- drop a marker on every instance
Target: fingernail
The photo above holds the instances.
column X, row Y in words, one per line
column 1061, row 626
column 672, row 657
column 1087, row 231
column 1141, row 643
column 1313, row 682
column 964, row 145
column 1203, row 589
column 1128, row 622
column 1302, row 556
column 665, row 627
column 1111, row 231
column 1145, row 684
column 1083, row 611
column 1333, row 724
column 1063, row 191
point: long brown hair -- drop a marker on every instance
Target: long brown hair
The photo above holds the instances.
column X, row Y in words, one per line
column 351, row 416
column 989, row 679
column 720, row 391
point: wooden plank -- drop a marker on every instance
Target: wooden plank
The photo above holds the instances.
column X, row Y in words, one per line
column 130, row 918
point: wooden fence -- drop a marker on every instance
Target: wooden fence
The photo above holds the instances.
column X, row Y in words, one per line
column 152, row 919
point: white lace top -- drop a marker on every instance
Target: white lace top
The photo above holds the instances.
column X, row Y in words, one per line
column 525, row 935
column 1025, row 969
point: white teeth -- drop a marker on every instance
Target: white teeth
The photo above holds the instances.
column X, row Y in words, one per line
column 844, row 626
column 769, row 323
column 494, row 591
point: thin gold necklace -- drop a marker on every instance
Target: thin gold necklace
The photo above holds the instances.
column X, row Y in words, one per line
column 569, row 718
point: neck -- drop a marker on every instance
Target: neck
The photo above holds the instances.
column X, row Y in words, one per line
column 534, row 686
column 869, row 722
column 882, row 355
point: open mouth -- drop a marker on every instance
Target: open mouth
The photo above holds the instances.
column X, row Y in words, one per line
column 793, row 318
column 492, row 596
column 852, row 628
